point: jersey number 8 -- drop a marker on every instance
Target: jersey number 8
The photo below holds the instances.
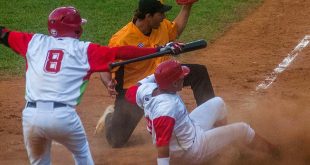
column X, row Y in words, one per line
column 53, row 61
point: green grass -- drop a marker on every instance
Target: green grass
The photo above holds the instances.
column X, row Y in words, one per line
column 208, row 20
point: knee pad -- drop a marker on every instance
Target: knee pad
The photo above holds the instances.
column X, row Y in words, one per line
column 221, row 106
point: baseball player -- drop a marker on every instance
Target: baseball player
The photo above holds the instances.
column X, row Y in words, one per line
column 58, row 68
column 190, row 137
column 149, row 28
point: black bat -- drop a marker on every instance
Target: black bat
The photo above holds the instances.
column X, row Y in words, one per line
column 191, row 46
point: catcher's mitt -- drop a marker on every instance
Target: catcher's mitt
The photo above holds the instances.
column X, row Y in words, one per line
column 185, row 2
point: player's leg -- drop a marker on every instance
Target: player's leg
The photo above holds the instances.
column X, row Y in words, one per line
column 261, row 144
column 38, row 147
column 211, row 142
column 210, row 114
column 200, row 82
column 38, row 150
column 68, row 130
column 122, row 122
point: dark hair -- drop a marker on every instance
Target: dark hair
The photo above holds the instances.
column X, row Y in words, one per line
column 140, row 15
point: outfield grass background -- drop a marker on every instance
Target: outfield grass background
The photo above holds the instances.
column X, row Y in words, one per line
column 208, row 20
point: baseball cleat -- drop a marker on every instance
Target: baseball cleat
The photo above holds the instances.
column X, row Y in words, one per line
column 101, row 121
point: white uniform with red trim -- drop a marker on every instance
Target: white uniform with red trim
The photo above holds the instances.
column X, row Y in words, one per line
column 54, row 67
column 190, row 136
column 166, row 109
column 58, row 70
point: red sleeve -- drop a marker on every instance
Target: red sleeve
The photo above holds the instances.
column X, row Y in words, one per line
column 131, row 94
column 18, row 41
column 100, row 57
column 129, row 52
column 163, row 127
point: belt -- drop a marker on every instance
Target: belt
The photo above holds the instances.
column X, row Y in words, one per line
column 55, row 105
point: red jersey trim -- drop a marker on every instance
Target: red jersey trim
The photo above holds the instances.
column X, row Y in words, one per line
column 163, row 126
column 18, row 41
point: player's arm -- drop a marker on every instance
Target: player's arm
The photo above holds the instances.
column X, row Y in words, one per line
column 106, row 77
column 99, row 57
column 17, row 41
column 182, row 18
column 163, row 126
column 129, row 52
column 163, row 155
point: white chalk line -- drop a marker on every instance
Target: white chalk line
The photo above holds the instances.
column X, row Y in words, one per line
column 284, row 64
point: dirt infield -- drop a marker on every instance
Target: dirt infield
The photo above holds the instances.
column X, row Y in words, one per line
column 237, row 62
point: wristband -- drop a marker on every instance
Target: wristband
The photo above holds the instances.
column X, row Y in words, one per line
column 1, row 35
column 163, row 161
column 4, row 36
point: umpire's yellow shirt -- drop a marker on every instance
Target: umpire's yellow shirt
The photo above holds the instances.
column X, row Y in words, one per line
column 131, row 35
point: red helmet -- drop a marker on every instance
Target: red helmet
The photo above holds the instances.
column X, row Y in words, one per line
column 169, row 72
column 65, row 22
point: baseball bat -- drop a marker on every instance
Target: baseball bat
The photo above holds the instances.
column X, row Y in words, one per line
column 191, row 46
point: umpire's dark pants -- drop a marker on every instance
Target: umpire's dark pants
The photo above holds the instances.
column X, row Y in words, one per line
column 120, row 125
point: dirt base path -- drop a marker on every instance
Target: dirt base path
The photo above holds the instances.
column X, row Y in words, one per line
column 238, row 62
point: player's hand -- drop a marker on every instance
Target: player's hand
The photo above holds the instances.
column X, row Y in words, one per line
column 109, row 82
column 175, row 47
column 111, row 88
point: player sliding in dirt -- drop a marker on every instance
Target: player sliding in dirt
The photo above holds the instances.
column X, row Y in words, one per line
column 149, row 28
column 58, row 68
column 190, row 137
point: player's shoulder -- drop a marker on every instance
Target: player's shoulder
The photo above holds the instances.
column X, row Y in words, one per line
column 170, row 101
column 167, row 105
column 38, row 39
column 146, row 89
column 166, row 23
column 39, row 36
column 123, row 36
column 164, row 98
column 128, row 35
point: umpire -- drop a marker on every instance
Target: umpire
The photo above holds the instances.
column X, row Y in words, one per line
column 149, row 28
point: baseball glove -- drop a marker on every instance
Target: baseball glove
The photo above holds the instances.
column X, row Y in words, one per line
column 185, row 2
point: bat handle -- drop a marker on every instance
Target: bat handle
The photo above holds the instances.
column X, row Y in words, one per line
column 112, row 65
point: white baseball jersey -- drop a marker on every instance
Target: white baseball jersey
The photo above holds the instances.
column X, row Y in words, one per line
column 167, row 117
column 191, row 137
column 58, row 69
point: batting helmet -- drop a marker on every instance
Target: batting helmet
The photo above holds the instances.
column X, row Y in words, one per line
column 65, row 22
column 169, row 72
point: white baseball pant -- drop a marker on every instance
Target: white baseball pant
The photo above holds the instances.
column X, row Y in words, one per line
column 44, row 123
column 209, row 141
